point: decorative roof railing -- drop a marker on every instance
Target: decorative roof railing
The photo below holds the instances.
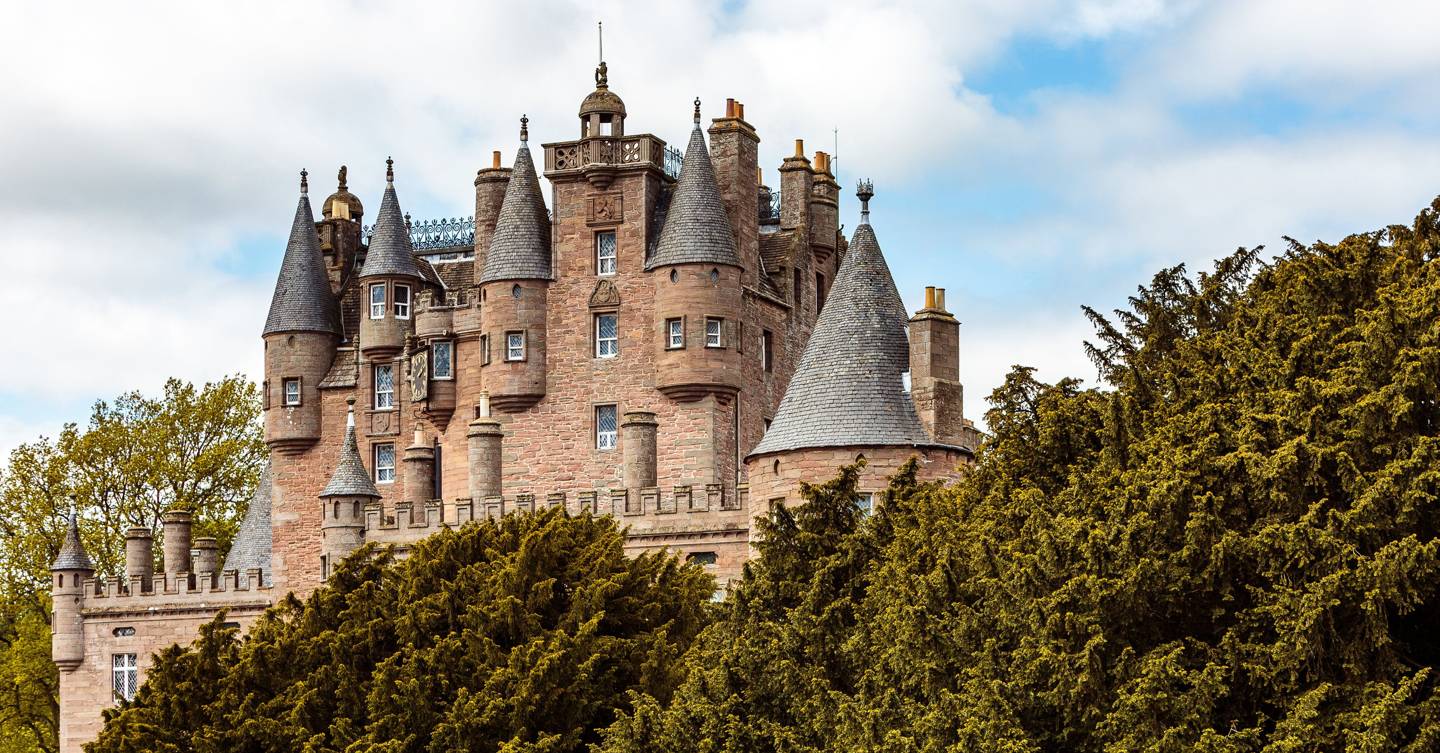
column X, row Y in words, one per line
column 608, row 152
column 769, row 204
column 673, row 159
column 426, row 235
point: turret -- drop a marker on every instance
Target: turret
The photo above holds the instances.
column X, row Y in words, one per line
column 514, row 288
column 419, row 471
column 389, row 279
column 824, row 215
column 486, row 440
column 300, row 335
column 340, row 232
column 697, row 288
column 71, row 568
column 342, row 503
column 490, row 186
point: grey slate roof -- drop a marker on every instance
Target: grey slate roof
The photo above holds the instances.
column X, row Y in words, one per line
column 350, row 478
column 390, row 252
column 252, row 544
column 847, row 390
column 72, row 554
column 697, row 230
column 520, row 247
column 303, row 301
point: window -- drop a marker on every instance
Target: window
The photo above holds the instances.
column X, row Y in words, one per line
column 607, row 336
column 767, row 353
column 866, row 502
column 714, row 329
column 819, row 292
column 674, row 333
column 124, row 677
column 384, row 386
column 442, row 359
column 123, row 632
column 484, row 350
column 767, row 422
column 385, row 463
column 402, row 301
column 795, row 291
column 604, row 427
column 265, row 395
column 703, row 559
column 514, row 346
column 605, row 255
column 292, row 392
column 377, row 301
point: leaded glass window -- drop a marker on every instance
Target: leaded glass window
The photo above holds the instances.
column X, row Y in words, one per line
column 866, row 502
column 674, row 333
column 605, row 253
column 514, row 346
column 377, row 301
column 607, row 335
column 292, row 391
column 605, row 434
column 384, row 386
column 384, row 463
column 442, row 359
column 124, row 676
column 713, row 329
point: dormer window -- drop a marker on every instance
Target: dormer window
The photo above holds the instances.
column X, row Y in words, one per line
column 377, row 301
column 605, row 253
column 402, row 301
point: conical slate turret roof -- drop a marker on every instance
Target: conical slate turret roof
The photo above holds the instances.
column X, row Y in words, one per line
column 252, row 545
column 697, row 230
column 847, row 390
column 72, row 554
column 390, row 252
column 303, row 301
column 350, row 478
column 520, row 247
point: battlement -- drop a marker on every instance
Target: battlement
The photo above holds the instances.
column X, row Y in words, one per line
column 181, row 590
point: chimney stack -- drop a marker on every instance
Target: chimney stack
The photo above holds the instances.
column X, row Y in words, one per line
column 639, row 430
column 176, row 526
column 935, row 369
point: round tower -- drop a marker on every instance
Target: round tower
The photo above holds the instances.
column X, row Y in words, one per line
column 389, row 279
column 514, row 288
column 342, row 502
column 70, row 570
column 697, row 290
column 301, row 332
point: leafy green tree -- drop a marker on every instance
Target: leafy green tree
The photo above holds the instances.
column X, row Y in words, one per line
column 528, row 634
column 1232, row 548
column 195, row 448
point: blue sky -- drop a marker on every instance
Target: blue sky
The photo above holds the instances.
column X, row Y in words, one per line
column 1030, row 156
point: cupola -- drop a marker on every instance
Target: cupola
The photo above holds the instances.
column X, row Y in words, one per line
column 602, row 112
column 342, row 205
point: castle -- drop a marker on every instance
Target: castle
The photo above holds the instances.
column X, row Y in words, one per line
column 671, row 342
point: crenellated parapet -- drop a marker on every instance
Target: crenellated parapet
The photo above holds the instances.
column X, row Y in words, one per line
column 175, row 590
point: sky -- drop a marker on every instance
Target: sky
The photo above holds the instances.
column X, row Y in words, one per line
column 1030, row 156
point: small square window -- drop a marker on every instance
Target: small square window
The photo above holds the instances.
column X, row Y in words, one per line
column 292, row 392
column 607, row 336
column 714, row 332
column 385, row 463
column 605, row 425
column 377, row 301
column 514, row 346
column 606, row 255
column 767, row 352
column 402, row 301
column 674, row 333
column 384, row 386
column 442, row 359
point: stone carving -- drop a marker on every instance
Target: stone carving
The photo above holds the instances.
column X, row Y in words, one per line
column 567, row 157
column 606, row 295
column 629, row 151
column 607, row 209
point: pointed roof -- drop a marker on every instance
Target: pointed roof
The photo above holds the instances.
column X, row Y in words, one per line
column 390, row 252
column 350, row 478
column 520, row 246
column 697, row 230
column 303, row 301
column 252, row 545
column 848, row 390
column 72, row 554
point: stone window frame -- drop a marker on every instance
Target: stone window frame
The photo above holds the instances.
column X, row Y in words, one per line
column 595, row 331
column 767, row 350
column 402, row 309
column 375, row 392
column 434, row 373
column 614, row 258
column 670, row 333
column 509, row 349
column 380, row 470
column 377, row 286
column 285, row 392
column 599, row 436
column 484, row 350
column 124, row 676
column 719, row 322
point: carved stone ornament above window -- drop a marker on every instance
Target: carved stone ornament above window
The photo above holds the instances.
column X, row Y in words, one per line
column 607, row 209
column 606, row 295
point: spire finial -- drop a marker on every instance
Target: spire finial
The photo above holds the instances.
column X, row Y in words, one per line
column 304, row 182
column 407, row 220
column 864, row 190
column 341, row 178
column 602, row 75
column 349, row 412
column 524, row 129
column 697, row 112
column 389, row 170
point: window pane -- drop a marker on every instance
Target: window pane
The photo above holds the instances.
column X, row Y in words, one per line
column 292, row 391
column 605, row 253
column 677, row 333
column 605, row 427
column 377, row 301
column 402, row 301
column 866, row 501
column 384, row 462
column 515, row 346
column 384, row 386
column 440, row 360
column 712, row 333
column 607, row 341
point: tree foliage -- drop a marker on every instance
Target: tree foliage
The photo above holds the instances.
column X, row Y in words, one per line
column 524, row 635
column 1233, row 548
column 194, row 448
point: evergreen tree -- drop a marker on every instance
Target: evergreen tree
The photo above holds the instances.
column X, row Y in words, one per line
column 526, row 634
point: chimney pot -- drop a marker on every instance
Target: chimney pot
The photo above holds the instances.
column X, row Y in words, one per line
column 940, row 298
column 495, row 159
column 799, row 147
column 929, row 296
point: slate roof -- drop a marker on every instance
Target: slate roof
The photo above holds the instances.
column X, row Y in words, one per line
column 72, row 554
column 847, row 390
column 303, row 301
column 697, row 230
column 350, row 478
column 520, row 246
column 252, row 545
column 390, row 252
